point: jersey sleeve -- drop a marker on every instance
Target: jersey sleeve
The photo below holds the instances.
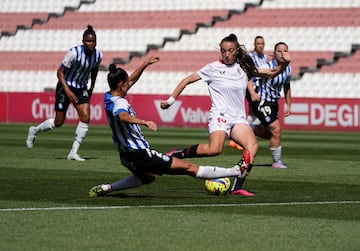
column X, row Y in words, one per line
column 68, row 59
column 120, row 105
column 205, row 73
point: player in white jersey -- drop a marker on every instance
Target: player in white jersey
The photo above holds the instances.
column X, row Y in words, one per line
column 264, row 101
column 259, row 58
column 227, row 81
column 80, row 63
column 135, row 152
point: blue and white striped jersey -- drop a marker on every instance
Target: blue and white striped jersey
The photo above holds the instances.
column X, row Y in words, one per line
column 126, row 137
column 259, row 59
column 269, row 89
column 78, row 66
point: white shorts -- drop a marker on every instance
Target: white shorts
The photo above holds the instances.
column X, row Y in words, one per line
column 217, row 121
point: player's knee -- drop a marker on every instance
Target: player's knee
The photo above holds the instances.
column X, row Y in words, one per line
column 276, row 132
column 214, row 151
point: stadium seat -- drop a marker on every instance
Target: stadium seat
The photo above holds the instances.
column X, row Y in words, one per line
column 310, row 36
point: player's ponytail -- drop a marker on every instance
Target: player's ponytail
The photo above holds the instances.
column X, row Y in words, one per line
column 89, row 31
column 115, row 76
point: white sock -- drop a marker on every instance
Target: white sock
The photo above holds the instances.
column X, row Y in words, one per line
column 45, row 126
column 275, row 153
column 129, row 182
column 213, row 172
column 80, row 134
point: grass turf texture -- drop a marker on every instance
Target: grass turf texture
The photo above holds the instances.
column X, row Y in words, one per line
column 312, row 205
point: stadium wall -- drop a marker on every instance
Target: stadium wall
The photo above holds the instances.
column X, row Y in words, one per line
column 188, row 111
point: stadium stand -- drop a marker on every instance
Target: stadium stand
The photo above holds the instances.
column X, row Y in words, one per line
column 323, row 37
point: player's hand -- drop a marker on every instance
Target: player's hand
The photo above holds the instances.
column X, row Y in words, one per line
column 72, row 97
column 164, row 104
column 151, row 125
column 255, row 97
column 287, row 111
column 286, row 56
column 153, row 59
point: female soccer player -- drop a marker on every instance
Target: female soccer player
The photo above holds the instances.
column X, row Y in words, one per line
column 264, row 102
column 135, row 151
column 78, row 64
column 227, row 81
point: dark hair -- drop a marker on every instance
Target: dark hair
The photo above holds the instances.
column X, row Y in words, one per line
column 258, row 37
column 89, row 31
column 243, row 59
column 280, row 43
column 115, row 76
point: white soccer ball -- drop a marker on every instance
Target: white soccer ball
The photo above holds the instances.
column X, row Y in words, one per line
column 217, row 186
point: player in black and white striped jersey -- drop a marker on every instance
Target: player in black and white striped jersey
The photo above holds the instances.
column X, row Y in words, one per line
column 264, row 102
column 80, row 63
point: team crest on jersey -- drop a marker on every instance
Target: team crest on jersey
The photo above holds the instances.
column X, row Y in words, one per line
column 165, row 158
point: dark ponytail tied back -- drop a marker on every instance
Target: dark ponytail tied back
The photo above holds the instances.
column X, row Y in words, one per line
column 89, row 31
column 115, row 76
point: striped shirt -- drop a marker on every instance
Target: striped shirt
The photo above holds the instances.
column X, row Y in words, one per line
column 270, row 88
column 78, row 66
column 259, row 59
column 126, row 137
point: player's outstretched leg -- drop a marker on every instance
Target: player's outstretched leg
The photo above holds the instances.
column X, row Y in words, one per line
column 31, row 137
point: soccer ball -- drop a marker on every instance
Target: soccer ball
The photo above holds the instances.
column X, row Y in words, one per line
column 217, row 186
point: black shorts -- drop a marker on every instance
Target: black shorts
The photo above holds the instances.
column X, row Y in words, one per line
column 146, row 161
column 62, row 102
column 266, row 112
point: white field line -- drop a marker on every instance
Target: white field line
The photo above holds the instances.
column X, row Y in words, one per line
column 179, row 206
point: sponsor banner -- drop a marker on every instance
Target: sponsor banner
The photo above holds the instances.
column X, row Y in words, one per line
column 187, row 111
column 323, row 114
column 36, row 107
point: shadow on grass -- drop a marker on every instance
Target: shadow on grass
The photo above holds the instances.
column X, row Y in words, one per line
column 72, row 186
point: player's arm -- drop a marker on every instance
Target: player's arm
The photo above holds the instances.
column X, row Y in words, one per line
column 287, row 94
column 179, row 89
column 137, row 73
column 250, row 87
column 271, row 73
column 93, row 76
column 129, row 119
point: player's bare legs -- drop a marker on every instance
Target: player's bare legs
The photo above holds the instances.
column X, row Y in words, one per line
column 272, row 132
column 244, row 135
column 215, row 145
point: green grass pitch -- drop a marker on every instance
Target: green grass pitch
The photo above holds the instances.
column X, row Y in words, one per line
column 44, row 204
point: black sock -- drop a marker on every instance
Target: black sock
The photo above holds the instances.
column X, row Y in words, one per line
column 239, row 182
column 189, row 152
